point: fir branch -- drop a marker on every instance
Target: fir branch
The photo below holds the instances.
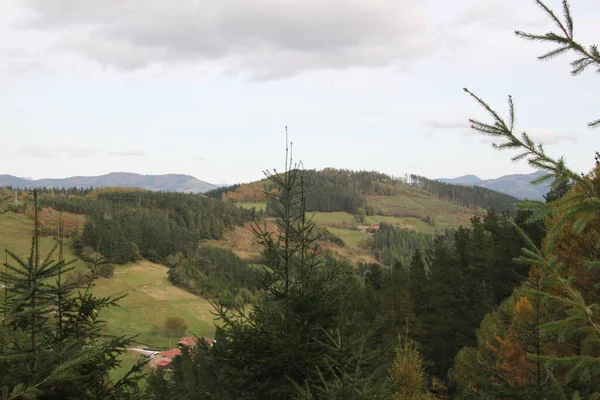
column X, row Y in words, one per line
column 566, row 42
column 565, row 39
column 532, row 152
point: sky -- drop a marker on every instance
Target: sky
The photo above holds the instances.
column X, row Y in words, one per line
column 206, row 88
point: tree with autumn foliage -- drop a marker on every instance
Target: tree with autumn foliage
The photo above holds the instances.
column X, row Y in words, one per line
column 544, row 342
column 408, row 379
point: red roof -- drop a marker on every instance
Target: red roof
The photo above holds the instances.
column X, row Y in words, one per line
column 163, row 363
column 170, row 353
column 188, row 341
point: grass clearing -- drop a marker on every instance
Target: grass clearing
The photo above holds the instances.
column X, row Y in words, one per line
column 16, row 232
column 262, row 206
column 338, row 219
column 416, row 204
column 128, row 360
column 412, row 223
column 351, row 238
column 150, row 299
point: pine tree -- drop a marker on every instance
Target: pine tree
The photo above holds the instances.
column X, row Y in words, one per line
column 307, row 336
column 445, row 313
column 418, row 281
column 51, row 335
column 396, row 309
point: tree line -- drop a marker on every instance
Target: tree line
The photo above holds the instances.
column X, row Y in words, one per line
column 217, row 273
column 468, row 196
column 333, row 189
column 126, row 225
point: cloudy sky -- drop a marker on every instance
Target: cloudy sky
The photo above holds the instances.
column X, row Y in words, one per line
column 206, row 87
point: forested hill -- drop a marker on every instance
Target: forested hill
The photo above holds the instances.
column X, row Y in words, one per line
column 468, row 195
column 345, row 190
column 128, row 224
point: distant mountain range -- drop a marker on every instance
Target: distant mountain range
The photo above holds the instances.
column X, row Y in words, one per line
column 517, row 185
column 169, row 182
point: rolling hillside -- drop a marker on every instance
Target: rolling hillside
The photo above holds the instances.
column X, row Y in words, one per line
column 330, row 191
column 151, row 297
column 351, row 205
column 169, row 182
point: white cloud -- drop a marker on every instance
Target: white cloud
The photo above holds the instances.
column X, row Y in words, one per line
column 38, row 152
column 456, row 123
column 75, row 152
column 266, row 38
column 127, row 153
column 547, row 136
column 49, row 151
column 447, row 122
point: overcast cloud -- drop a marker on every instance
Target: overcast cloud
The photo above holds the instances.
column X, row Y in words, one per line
column 175, row 80
column 267, row 38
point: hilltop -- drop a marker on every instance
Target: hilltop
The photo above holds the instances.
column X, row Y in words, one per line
column 357, row 192
column 351, row 205
column 518, row 185
column 168, row 182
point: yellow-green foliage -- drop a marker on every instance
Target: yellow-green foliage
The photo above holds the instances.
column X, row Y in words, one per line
column 248, row 193
column 407, row 376
column 259, row 206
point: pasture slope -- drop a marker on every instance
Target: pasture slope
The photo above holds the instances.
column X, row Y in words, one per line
column 150, row 296
column 407, row 206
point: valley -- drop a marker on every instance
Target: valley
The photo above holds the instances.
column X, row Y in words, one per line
column 366, row 220
column 152, row 297
column 299, row 200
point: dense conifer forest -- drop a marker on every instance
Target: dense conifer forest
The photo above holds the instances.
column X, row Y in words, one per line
column 126, row 225
column 333, row 189
column 468, row 195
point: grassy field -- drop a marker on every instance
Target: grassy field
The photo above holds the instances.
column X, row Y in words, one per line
column 350, row 238
column 240, row 240
column 129, row 359
column 16, row 231
column 150, row 299
column 259, row 206
column 340, row 220
column 440, row 222
column 418, row 204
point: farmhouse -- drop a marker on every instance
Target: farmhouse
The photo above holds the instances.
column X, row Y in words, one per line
column 164, row 358
column 368, row 228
